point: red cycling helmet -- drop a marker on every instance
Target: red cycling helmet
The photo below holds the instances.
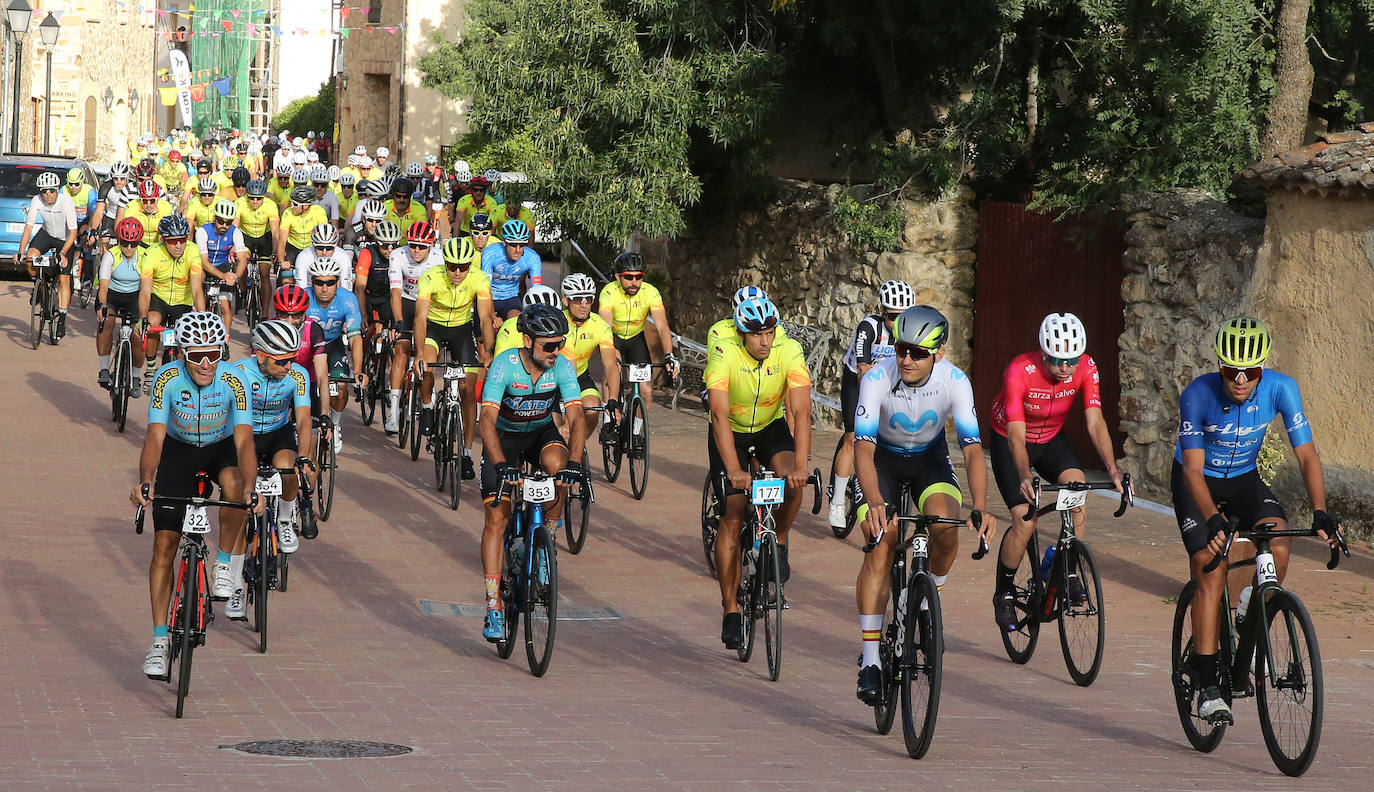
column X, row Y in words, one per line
column 421, row 233
column 290, row 299
column 129, row 230
column 145, row 168
column 479, row 182
column 174, row 156
column 148, row 189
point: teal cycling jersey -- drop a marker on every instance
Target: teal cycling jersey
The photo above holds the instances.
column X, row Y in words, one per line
column 272, row 401
column 523, row 404
column 194, row 415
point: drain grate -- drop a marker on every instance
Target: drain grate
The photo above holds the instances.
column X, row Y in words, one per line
column 321, row 749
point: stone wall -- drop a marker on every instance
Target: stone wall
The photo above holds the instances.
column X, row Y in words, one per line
column 792, row 249
column 1188, row 263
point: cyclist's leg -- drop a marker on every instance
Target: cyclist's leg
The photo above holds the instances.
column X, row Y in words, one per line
column 1023, row 522
column 226, row 307
column 232, row 537
column 635, row 351
column 1058, row 463
column 939, row 496
column 157, row 310
column 496, row 515
column 1253, row 502
column 842, row 464
column 591, row 397
column 430, row 355
column 466, row 353
column 727, row 536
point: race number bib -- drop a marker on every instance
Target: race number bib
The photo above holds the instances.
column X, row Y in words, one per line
column 1071, row 499
column 333, row 389
column 454, row 373
column 270, row 485
column 767, row 492
column 1264, row 568
column 537, row 491
column 196, row 521
column 640, row 372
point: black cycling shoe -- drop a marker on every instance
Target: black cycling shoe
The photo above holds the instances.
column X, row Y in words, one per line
column 468, row 473
column 784, row 568
column 61, row 325
column 1004, row 610
column 732, row 631
column 309, row 528
column 426, row 421
column 1074, row 588
column 870, row 685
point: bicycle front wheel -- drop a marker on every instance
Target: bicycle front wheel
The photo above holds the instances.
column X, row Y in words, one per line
column 541, row 602
column 1020, row 642
column 414, row 410
column 639, row 448
column 38, row 302
column 441, row 444
column 576, row 514
column 748, row 598
column 263, row 542
column 885, row 711
column 326, row 462
column 851, row 510
column 1290, row 691
column 404, row 423
column 770, row 585
column 611, row 452
column 367, row 405
column 1083, row 617
column 119, row 387
column 1204, row 735
column 922, row 657
column 189, row 616
column 711, row 509
column 455, row 462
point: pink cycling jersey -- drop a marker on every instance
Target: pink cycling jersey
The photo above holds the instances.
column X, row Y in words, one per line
column 312, row 344
column 1032, row 395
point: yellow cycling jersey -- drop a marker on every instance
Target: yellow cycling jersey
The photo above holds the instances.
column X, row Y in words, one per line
column 281, row 196
column 347, row 203
column 508, row 337
column 198, row 214
column 506, row 212
column 134, row 209
column 584, row 339
column 171, row 277
column 723, row 333
column 297, row 227
column 415, row 213
column 452, row 304
column 756, row 389
column 629, row 312
column 488, row 205
column 225, row 184
column 256, row 222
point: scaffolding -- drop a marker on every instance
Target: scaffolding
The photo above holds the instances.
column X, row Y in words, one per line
column 248, row 61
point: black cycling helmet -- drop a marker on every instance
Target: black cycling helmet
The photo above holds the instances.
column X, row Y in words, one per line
column 403, row 187
column 302, row 194
column 629, row 262
column 241, row 176
column 542, row 321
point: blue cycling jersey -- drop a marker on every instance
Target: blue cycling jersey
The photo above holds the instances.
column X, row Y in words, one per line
column 340, row 317
column 506, row 274
column 272, row 401
column 216, row 246
column 523, row 404
column 194, row 415
column 1230, row 434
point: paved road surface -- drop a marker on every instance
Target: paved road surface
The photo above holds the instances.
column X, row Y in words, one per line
column 646, row 700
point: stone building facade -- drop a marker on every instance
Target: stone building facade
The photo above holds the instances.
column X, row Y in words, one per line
column 381, row 101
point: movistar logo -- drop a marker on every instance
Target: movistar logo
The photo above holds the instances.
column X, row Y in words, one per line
column 905, row 423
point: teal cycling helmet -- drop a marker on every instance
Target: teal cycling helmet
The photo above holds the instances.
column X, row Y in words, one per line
column 755, row 315
column 516, row 231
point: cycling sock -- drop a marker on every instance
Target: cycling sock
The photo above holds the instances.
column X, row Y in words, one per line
column 62, row 311
column 493, row 584
column 222, row 557
column 1206, row 668
column 395, row 398
column 1006, row 576
column 161, row 631
column 467, row 454
column 871, row 625
column 939, row 581
column 286, row 512
column 104, row 361
column 335, row 416
column 236, row 569
column 841, row 484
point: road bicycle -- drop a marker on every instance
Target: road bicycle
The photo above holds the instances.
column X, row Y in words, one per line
column 43, row 300
column 629, row 436
column 446, row 441
column 760, row 593
column 190, row 613
column 326, row 459
column 1062, row 586
column 713, row 509
column 1268, row 650
column 377, row 366
column 251, row 292
column 912, row 646
column 529, row 580
column 122, row 371
column 409, row 421
column 266, row 567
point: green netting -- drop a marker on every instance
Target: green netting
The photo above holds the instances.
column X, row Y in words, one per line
column 223, row 53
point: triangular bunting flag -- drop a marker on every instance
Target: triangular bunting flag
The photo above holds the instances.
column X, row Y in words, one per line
column 198, row 92
column 228, row 26
column 343, row 32
column 235, row 12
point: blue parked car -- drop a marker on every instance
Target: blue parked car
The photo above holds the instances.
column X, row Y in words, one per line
column 18, row 172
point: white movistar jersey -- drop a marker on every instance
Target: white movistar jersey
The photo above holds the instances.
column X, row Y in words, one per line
column 906, row 419
column 307, row 257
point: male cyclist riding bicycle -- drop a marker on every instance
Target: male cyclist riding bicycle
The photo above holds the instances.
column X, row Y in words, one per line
column 337, row 312
column 258, row 219
column 1222, row 421
column 626, row 304
column 171, row 282
column 589, row 333
column 223, row 256
column 508, row 265
column 53, row 214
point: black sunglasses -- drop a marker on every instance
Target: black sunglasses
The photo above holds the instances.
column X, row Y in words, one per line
column 324, row 282
column 912, row 351
column 552, row 346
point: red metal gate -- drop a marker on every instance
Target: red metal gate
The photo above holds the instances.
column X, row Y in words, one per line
column 1028, row 266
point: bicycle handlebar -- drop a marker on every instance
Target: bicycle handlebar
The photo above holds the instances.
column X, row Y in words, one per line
column 178, row 500
column 1127, row 492
column 927, row 520
column 1264, row 531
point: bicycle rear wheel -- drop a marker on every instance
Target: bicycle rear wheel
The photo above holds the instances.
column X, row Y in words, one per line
column 404, row 423
column 1290, row 693
column 188, row 617
column 711, row 509
column 611, row 452
column 541, row 602
column 367, row 405
column 51, row 313
column 577, row 513
column 639, row 448
column 455, row 462
column 1082, row 623
column 326, row 462
column 512, row 581
column 38, row 302
column 263, row 547
column 921, row 662
column 252, row 311
column 441, row 444
column 770, row 588
column 381, row 382
column 119, row 387
column 1027, row 586
column 1204, row 735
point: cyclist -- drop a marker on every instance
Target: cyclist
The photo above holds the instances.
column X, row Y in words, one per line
column 369, row 191
column 588, row 333
column 401, row 210
column 1038, row 388
column 280, row 188
column 508, row 337
column 337, row 312
column 198, row 420
column 223, row 256
column 109, row 199
column 296, row 224
column 508, row 265
column 201, row 209
column 372, row 273
column 83, row 197
column 325, row 197
column 118, row 295
column 475, row 202
column 291, row 303
column 872, row 343
column 1218, row 445
column 348, row 197
column 239, row 178
column 452, row 311
column 149, row 209
column 363, row 233
column 279, row 400
column 403, row 275
column 258, row 220
column 381, row 155
column 53, row 214
column 625, row 304
column 904, row 403
column 171, row 282
column 324, row 241
column 521, row 393
column 747, row 385
column 512, row 210
column 481, row 233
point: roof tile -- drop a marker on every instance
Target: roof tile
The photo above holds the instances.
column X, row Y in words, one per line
column 1339, row 161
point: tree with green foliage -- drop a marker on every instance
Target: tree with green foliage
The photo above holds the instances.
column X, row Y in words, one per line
column 309, row 112
column 611, row 106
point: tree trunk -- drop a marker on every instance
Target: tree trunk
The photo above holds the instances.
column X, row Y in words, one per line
column 1033, row 98
column 1283, row 128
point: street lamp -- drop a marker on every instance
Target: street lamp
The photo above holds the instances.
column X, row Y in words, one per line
column 48, row 30
column 18, row 13
column 109, row 98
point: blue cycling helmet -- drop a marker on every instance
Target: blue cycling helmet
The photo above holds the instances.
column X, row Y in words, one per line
column 515, row 231
column 748, row 293
column 257, row 188
column 174, row 227
column 755, row 315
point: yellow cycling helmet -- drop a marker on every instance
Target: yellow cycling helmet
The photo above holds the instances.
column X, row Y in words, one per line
column 76, row 176
column 460, row 250
column 1242, row 342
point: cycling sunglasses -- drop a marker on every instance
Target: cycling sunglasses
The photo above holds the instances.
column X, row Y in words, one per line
column 1054, row 361
column 200, row 357
column 552, row 346
column 282, row 360
column 324, row 248
column 632, row 276
column 1241, row 375
column 582, row 298
column 892, row 316
column 325, row 282
column 458, row 265
column 912, row 351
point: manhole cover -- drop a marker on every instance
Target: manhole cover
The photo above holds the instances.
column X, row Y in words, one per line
column 321, row 749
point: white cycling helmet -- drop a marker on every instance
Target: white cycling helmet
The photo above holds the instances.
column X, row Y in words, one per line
column 414, row 169
column 540, row 295
column 312, row 157
column 373, row 210
column 373, row 188
column 348, row 179
column 383, row 151
column 895, row 295
column 359, row 151
column 1062, row 336
column 579, row 285
column 492, row 175
column 463, row 175
column 283, row 169
column 200, row 330
column 324, row 234
column 300, row 176
column 334, row 173
column 747, row 293
column 298, row 158
column 47, row 180
column 120, row 170
column 276, row 337
column 326, row 267
column 207, row 185
column 319, row 175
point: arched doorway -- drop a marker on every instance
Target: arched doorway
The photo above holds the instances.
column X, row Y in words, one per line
column 119, row 130
column 91, row 112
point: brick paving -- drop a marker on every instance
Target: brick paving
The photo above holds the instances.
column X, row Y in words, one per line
column 651, row 700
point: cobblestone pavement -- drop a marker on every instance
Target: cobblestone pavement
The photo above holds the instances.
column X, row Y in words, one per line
column 366, row 647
